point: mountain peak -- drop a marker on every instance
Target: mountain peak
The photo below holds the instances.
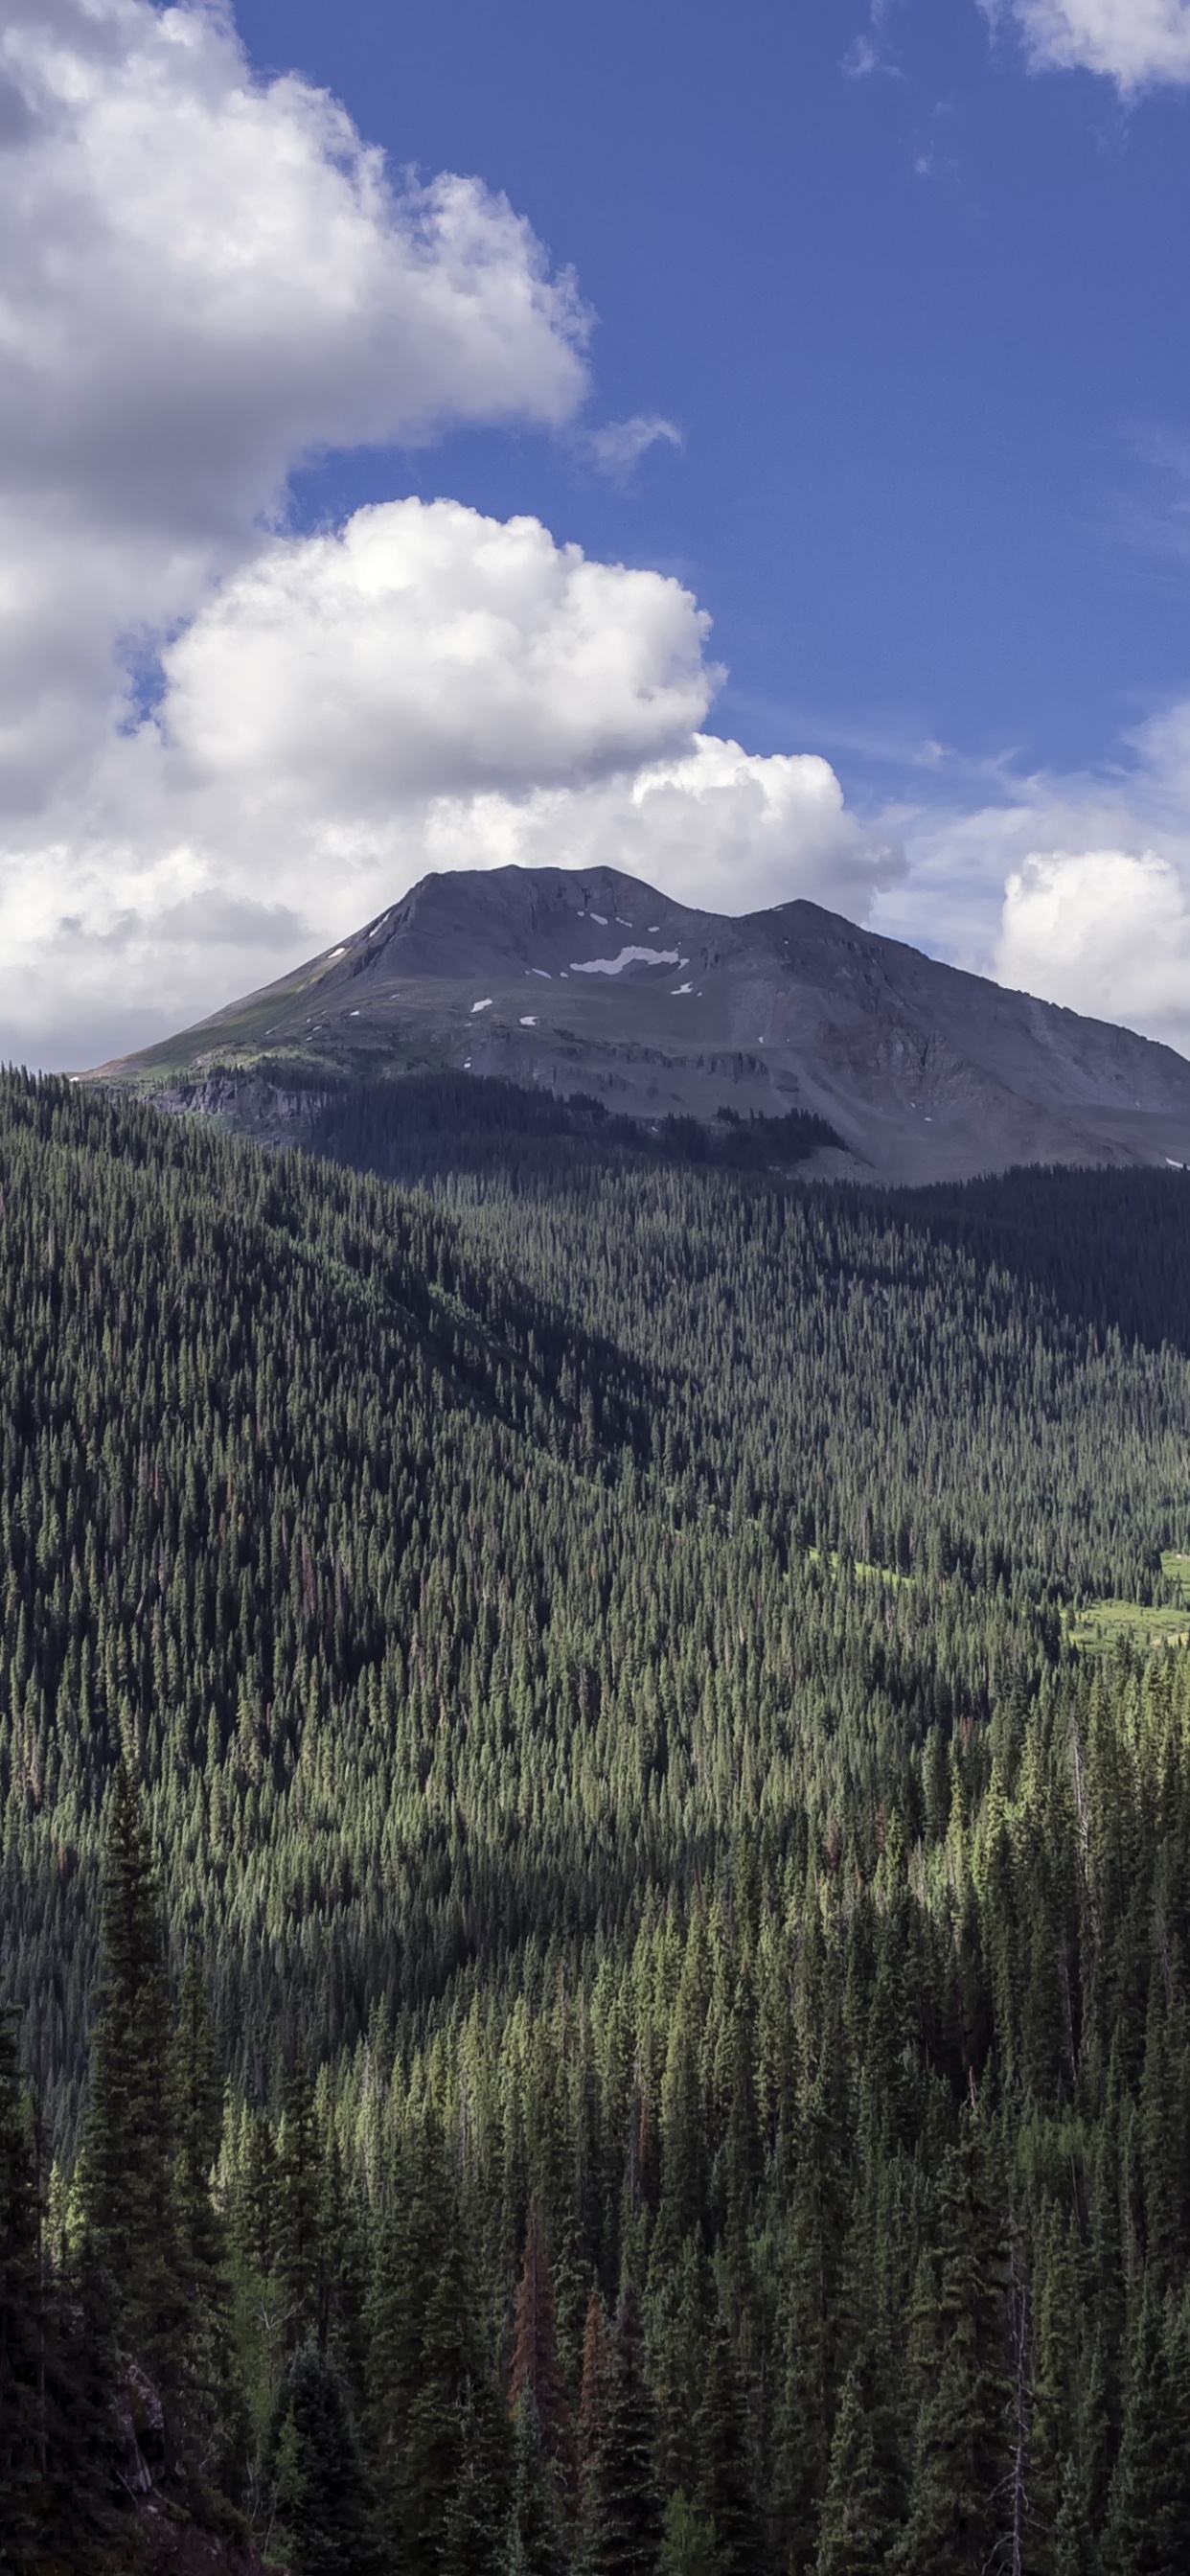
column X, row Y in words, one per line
column 589, row 980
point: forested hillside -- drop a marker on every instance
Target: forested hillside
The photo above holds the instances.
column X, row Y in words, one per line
column 595, row 1982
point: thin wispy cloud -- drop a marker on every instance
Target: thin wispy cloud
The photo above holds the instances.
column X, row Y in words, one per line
column 1149, row 512
column 1139, row 44
column 617, row 448
column 869, row 51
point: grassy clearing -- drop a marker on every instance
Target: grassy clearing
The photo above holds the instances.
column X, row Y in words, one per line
column 878, row 1573
column 1096, row 1629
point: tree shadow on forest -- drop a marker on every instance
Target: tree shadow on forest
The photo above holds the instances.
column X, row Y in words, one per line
column 1111, row 1249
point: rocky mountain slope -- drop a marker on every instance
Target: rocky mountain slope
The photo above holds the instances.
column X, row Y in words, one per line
column 923, row 1071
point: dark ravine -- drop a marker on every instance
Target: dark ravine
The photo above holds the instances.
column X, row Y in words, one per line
column 925, row 1072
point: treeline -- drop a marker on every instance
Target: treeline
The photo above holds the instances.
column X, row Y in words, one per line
column 417, row 1127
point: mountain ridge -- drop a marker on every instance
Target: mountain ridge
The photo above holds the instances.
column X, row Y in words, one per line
column 924, row 1070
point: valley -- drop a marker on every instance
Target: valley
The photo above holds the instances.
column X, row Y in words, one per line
column 593, row 1760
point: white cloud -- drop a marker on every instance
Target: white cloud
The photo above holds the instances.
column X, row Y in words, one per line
column 718, row 827
column 868, row 52
column 619, row 446
column 1104, row 931
column 428, row 688
column 1136, row 43
column 1075, row 888
column 204, row 278
column 426, row 647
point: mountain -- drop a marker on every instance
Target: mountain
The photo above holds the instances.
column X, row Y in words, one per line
column 923, row 1072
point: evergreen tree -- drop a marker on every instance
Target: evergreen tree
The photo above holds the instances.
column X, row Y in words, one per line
column 215, row 2420
column 854, row 2534
column 536, row 2369
column 129, row 2193
column 456, row 2446
column 323, row 2507
column 1073, row 2551
column 623, row 2521
column 407, row 2251
column 299, row 2210
column 534, row 2541
column 725, row 2494
column 1150, row 2504
column 22, row 2321
column 958, row 2502
column 593, row 2393
column 688, row 2540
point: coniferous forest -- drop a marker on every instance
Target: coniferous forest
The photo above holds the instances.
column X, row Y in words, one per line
column 595, row 1975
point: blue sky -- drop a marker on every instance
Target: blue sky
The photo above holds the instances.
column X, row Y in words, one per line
column 924, row 333
column 750, row 447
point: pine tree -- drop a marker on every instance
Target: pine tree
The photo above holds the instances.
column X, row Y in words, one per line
column 534, row 2541
column 22, row 2322
column 128, row 2161
column 682, row 2318
column 214, row 2407
column 455, row 2439
column 410, row 2238
column 536, row 2369
column 854, row 2533
column 725, row 2495
column 322, row 2503
column 957, row 2501
column 1150, row 2504
column 299, row 2210
column 1073, row 2551
column 623, row 2523
column 593, row 2393
column 688, row 2540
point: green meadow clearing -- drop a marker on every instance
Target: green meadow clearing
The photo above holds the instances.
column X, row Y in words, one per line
column 1097, row 1628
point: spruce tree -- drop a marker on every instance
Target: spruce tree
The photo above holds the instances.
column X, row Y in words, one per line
column 1150, row 2503
column 593, row 2392
column 322, row 2503
column 957, row 2505
column 724, row 2493
column 1072, row 2549
column 299, row 2210
column 623, row 2521
column 129, row 2181
column 687, row 2541
column 214, row 2407
column 22, row 2321
column 854, row 2533
column 536, row 2369
column 534, row 2543
column 456, row 2442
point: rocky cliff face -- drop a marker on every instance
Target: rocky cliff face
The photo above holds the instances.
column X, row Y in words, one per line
column 593, row 982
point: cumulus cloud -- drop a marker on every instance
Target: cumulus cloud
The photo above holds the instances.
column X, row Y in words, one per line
column 203, row 279
column 222, row 744
column 1104, row 931
column 1136, row 43
column 719, row 827
column 426, row 646
column 1076, row 888
column 425, row 688
column 202, row 276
